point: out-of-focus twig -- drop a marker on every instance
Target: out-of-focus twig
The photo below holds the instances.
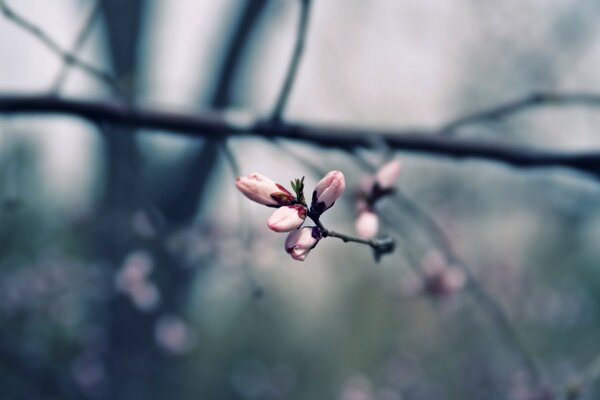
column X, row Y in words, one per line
column 52, row 45
column 257, row 289
column 486, row 301
column 218, row 126
column 531, row 101
column 290, row 77
column 79, row 42
column 586, row 378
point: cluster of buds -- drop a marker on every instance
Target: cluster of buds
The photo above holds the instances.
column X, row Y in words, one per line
column 372, row 190
column 292, row 209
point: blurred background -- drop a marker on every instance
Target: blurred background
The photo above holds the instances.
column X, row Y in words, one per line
column 131, row 268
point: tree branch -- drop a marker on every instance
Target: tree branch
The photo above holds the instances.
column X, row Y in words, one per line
column 295, row 61
column 534, row 100
column 53, row 46
column 485, row 300
column 380, row 246
column 587, row 377
column 79, row 41
column 220, row 125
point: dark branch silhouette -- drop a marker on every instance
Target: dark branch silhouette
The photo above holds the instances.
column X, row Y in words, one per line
column 290, row 77
column 221, row 125
column 534, row 100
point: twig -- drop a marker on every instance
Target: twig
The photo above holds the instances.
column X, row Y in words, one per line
column 79, row 42
column 484, row 299
column 231, row 159
column 257, row 289
column 380, row 246
column 53, row 46
column 534, row 100
column 219, row 126
column 577, row 387
column 290, row 77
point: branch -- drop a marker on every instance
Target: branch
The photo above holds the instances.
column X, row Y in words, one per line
column 81, row 38
column 295, row 61
column 219, row 126
column 576, row 389
column 244, row 232
column 487, row 302
column 534, row 100
column 380, row 246
column 53, row 46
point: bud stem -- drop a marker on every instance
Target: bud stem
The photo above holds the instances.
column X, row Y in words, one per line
column 380, row 246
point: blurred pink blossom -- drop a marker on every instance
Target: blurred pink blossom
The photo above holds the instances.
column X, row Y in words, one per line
column 388, row 174
column 367, row 224
column 441, row 279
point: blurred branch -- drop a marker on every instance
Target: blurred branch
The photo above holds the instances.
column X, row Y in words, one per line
column 534, row 100
column 79, row 41
column 380, row 246
column 586, row 378
column 487, row 302
column 220, row 126
column 295, row 61
column 67, row 57
column 484, row 299
column 244, row 231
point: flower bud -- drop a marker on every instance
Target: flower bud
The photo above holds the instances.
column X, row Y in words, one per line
column 387, row 175
column 301, row 241
column 327, row 191
column 441, row 279
column 367, row 224
column 263, row 190
column 287, row 218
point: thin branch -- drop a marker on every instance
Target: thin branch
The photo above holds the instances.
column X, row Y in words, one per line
column 380, row 246
column 79, row 42
column 257, row 289
column 484, row 299
column 290, row 77
column 53, row 46
column 534, row 100
column 588, row 376
column 493, row 309
column 231, row 159
column 219, row 126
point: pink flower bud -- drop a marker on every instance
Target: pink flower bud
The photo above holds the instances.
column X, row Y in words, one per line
column 387, row 175
column 263, row 190
column 287, row 218
column 441, row 279
column 301, row 241
column 367, row 224
column 327, row 191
